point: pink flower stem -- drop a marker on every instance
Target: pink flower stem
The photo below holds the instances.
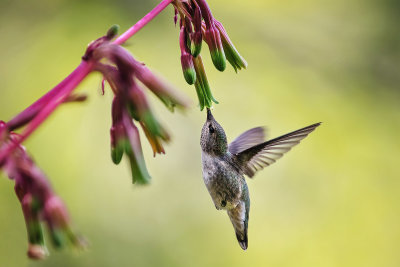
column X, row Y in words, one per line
column 141, row 23
column 26, row 116
column 69, row 84
column 44, row 106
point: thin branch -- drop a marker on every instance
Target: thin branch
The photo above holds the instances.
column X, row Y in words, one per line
column 70, row 83
column 141, row 23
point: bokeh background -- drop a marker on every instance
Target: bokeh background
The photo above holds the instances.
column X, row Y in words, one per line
column 332, row 201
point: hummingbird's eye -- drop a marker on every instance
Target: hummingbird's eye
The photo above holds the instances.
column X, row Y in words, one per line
column 212, row 130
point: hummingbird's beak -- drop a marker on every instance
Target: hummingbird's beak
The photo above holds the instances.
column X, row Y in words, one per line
column 209, row 115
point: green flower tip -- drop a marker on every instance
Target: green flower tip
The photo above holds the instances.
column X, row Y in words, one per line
column 35, row 232
column 119, row 143
column 139, row 171
column 218, row 59
column 112, row 32
column 202, row 86
column 58, row 238
column 234, row 58
column 61, row 236
column 190, row 75
column 195, row 47
column 188, row 68
column 117, row 152
column 154, row 126
column 213, row 39
column 231, row 53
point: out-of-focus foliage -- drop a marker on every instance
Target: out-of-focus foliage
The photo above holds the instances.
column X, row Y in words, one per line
column 332, row 201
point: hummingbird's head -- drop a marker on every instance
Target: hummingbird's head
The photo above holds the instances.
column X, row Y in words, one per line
column 213, row 138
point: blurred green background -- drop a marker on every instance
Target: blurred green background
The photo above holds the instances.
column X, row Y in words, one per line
column 332, row 201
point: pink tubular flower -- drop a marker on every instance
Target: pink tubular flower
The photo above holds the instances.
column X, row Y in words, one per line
column 125, row 139
column 36, row 247
column 123, row 73
column 197, row 24
column 213, row 40
column 126, row 77
column 211, row 37
column 232, row 55
column 196, row 36
column 56, row 216
column 128, row 80
column 202, row 86
column 38, row 201
column 186, row 58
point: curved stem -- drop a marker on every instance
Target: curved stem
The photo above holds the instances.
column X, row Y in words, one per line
column 69, row 84
column 30, row 112
column 141, row 23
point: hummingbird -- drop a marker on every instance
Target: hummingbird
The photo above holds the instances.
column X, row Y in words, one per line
column 224, row 166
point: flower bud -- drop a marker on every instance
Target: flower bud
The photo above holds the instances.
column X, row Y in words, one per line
column 30, row 208
column 205, row 12
column 196, row 36
column 117, row 143
column 188, row 69
column 213, row 40
column 141, row 111
column 134, row 152
column 112, row 32
column 202, row 87
column 125, row 139
column 38, row 202
column 211, row 36
column 203, row 100
column 186, row 58
column 231, row 53
column 56, row 217
column 197, row 39
column 117, row 133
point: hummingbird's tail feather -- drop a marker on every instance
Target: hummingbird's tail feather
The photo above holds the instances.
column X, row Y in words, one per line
column 243, row 243
column 239, row 217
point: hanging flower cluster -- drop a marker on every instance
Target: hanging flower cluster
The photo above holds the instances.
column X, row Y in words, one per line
column 197, row 24
column 126, row 76
column 40, row 205
column 128, row 80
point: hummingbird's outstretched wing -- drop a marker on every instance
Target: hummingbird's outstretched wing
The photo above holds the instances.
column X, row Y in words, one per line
column 262, row 155
column 247, row 139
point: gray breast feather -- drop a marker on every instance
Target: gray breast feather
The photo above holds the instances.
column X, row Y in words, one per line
column 223, row 182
